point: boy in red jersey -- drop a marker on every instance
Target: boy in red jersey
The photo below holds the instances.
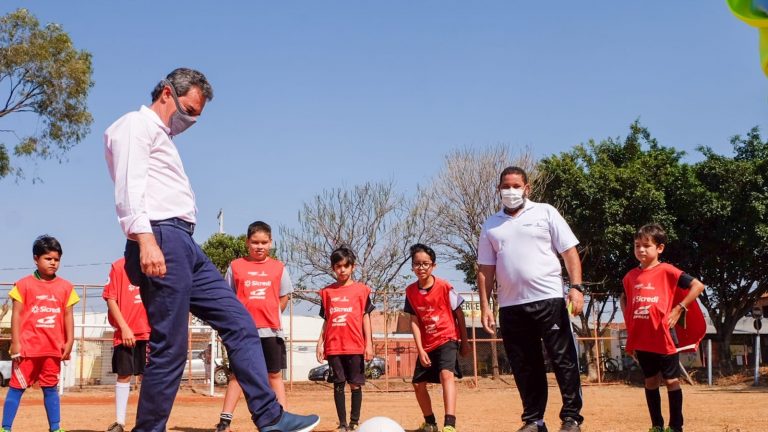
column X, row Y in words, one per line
column 649, row 315
column 129, row 343
column 345, row 339
column 42, row 332
column 438, row 327
column 264, row 286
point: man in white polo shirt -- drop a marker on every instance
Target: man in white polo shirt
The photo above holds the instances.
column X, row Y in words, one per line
column 518, row 250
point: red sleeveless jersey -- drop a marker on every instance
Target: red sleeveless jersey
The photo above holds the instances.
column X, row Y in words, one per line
column 257, row 285
column 649, row 302
column 42, row 316
column 128, row 299
column 344, row 309
column 437, row 324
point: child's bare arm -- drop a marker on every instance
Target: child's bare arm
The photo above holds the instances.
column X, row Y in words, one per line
column 416, row 330
column 368, row 336
column 284, row 302
column 694, row 291
column 126, row 332
column 16, row 328
column 320, row 344
column 69, row 328
column 461, row 322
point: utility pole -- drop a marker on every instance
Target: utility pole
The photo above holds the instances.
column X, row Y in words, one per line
column 220, row 217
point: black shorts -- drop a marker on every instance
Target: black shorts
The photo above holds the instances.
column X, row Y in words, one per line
column 347, row 368
column 444, row 357
column 274, row 353
column 653, row 363
column 127, row 361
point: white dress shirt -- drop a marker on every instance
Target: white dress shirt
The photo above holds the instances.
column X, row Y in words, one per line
column 150, row 182
column 524, row 248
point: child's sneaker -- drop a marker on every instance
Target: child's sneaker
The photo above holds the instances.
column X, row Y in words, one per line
column 427, row 427
column 116, row 427
column 222, row 427
column 58, row 430
column 449, row 429
column 353, row 426
column 342, row 428
column 657, row 429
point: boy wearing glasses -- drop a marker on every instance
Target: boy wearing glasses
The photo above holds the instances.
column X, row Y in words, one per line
column 438, row 327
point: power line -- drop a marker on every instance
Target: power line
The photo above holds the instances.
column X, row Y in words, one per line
column 63, row 265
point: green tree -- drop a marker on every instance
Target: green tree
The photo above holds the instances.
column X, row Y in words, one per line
column 223, row 248
column 46, row 76
column 606, row 191
column 724, row 233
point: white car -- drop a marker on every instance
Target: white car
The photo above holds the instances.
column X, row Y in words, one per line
column 5, row 372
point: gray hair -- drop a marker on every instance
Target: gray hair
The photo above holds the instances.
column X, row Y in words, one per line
column 182, row 79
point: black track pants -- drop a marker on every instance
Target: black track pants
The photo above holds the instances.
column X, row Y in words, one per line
column 523, row 328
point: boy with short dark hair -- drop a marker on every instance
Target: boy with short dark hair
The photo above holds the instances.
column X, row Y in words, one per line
column 438, row 327
column 42, row 332
column 129, row 342
column 649, row 313
column 264, row 286
column 345, row 339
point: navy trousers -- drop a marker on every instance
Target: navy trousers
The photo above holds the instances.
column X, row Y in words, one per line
column 193, row 284
column 523, row 328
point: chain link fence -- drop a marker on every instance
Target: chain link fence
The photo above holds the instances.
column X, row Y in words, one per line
column 485, row 365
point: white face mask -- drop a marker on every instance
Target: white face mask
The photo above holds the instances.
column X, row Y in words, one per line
column 512, row 198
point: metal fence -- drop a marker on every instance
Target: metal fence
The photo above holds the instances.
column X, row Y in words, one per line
column 90, row 365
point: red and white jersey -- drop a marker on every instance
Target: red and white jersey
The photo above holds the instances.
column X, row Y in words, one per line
column 343, row 308
column 258, row 286
column 42, row 317
column 433, row 309
column 649, row 295
column 128, row 299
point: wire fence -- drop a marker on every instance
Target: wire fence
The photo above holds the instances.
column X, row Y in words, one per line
column 394, row 348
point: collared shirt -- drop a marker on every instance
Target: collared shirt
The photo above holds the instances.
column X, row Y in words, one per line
column 150, row 182
column 524, row 248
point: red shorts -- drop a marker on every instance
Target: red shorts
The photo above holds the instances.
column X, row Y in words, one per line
column 43, row 370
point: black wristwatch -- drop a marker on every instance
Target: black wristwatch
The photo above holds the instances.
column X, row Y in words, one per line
column 578, row 287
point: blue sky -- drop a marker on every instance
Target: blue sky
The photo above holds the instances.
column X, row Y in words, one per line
column 316, row 95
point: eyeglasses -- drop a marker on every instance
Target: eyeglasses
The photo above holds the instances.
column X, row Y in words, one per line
column 422, row 265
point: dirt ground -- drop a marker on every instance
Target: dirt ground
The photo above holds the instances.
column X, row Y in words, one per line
column 618, row 408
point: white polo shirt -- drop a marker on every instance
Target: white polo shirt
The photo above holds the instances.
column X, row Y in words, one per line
column 524, row 248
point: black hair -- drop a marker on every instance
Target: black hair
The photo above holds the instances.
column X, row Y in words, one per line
column 513, row 170
column 183, row 79
column 419, row 247
column 259, row 226
column 342, row 253
column 44, row 244
column 652, row 231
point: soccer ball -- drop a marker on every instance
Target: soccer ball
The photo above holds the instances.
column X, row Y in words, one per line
column 380, row 424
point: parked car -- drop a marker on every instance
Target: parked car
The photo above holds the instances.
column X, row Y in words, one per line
column 220, row 374
column 5, row 372
column 374, row 369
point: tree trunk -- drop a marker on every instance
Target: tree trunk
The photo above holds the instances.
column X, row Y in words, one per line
column 724, row 336
column 724, row 354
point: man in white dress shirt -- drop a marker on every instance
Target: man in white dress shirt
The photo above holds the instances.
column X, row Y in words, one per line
column 156, row 209
column 519, row 248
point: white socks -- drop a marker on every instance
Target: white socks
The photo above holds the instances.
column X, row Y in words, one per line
column 121, row 400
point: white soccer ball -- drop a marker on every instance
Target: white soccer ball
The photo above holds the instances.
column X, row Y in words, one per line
column 380, row 424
